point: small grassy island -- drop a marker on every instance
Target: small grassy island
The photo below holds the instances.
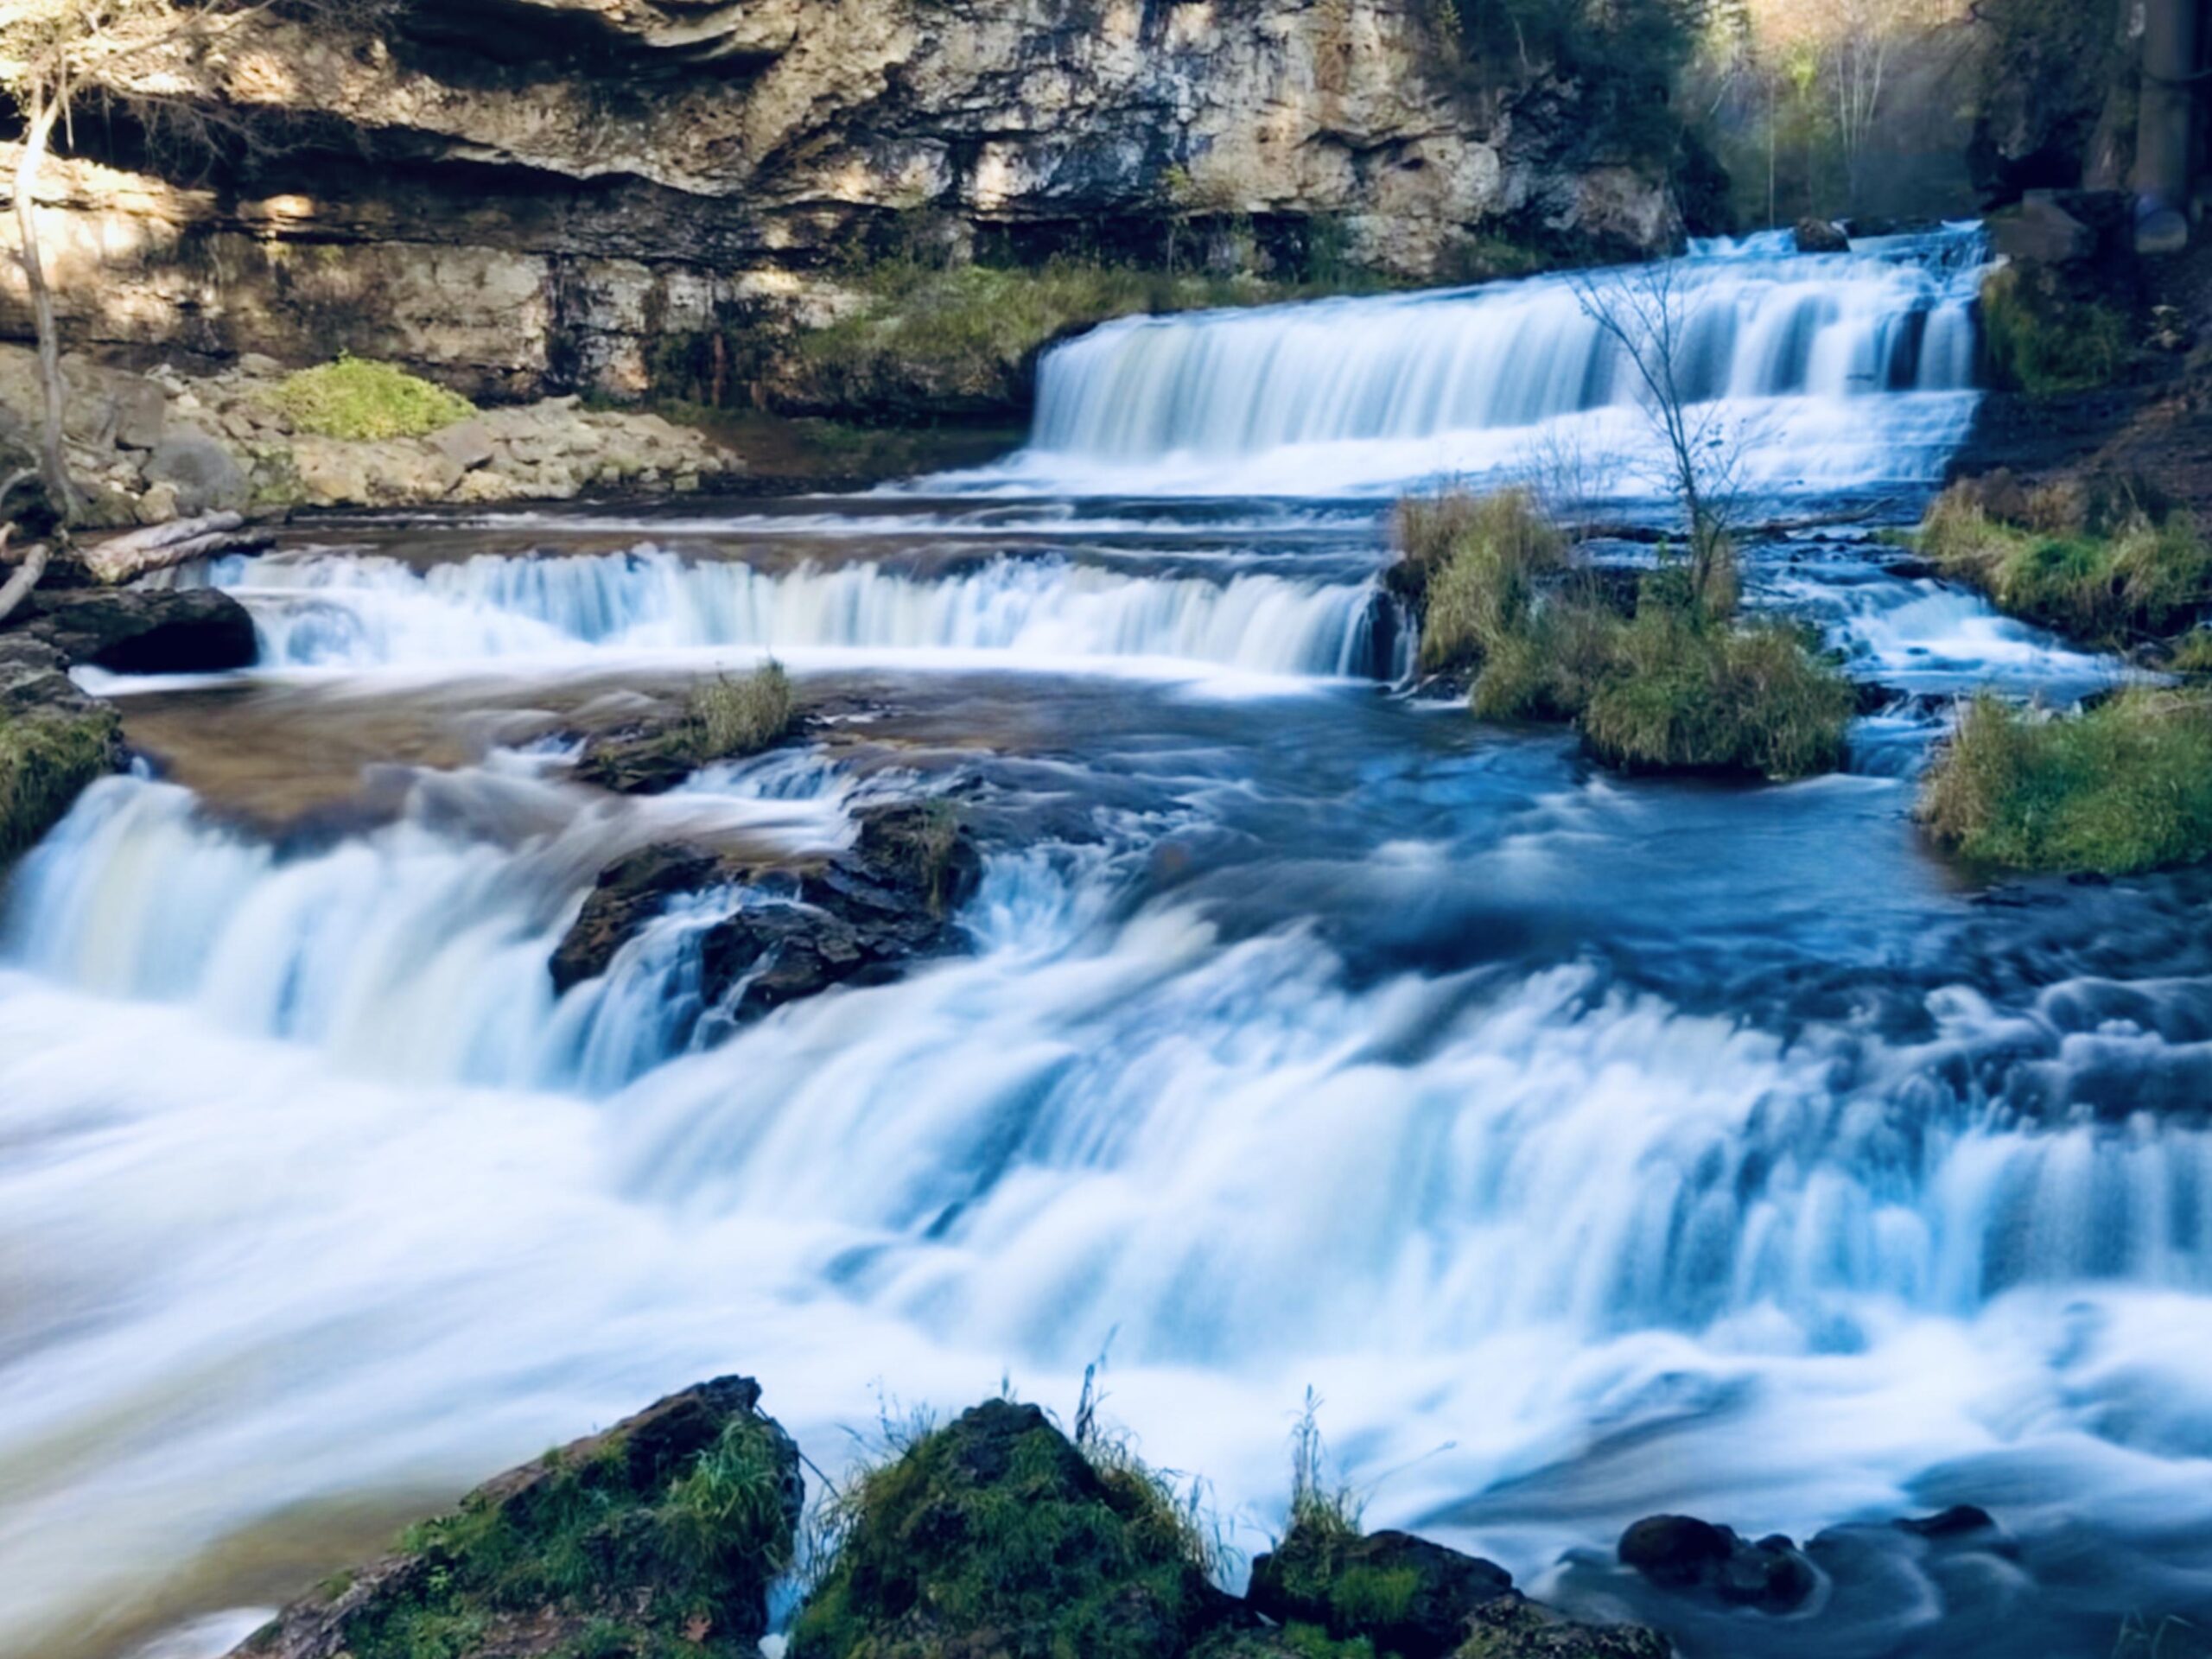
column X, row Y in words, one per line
column 1658, row 671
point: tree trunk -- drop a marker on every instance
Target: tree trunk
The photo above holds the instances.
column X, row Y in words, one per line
column 2165, row 129
column 53, row 463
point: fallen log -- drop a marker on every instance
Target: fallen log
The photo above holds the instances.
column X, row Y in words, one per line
column 158, row 547
column 17, row 587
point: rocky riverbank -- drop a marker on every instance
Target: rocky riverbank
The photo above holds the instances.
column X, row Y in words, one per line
column 1001, row 1537
column 147, row 447
column 996, row 1535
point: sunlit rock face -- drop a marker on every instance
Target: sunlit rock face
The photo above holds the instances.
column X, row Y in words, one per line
column 523, row 194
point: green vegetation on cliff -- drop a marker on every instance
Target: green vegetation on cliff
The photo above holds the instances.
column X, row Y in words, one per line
column 931, row 339
column 1658, row 678
column 2126, row 786
column 2042, row 340
column 358, row 399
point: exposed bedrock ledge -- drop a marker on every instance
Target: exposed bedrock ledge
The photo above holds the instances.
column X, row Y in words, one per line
column 524, row 197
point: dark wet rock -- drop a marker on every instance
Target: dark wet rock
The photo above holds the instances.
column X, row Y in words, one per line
column 1818, row 236
column 1408, row 1595
column 1959, row 1520
column 629, row 893
column 861, row 917
column 1513, row 1627
column 685, row 1512
column 1678, row 1552
column 995, row 1537
column 56, row 741
column 637, row 761
column 136, row 631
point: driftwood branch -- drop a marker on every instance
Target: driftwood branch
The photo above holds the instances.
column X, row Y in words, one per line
column 124, row 558
column 17, row 587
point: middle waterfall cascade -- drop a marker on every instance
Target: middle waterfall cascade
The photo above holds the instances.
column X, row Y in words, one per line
column 1845, row 370
column 335, row 609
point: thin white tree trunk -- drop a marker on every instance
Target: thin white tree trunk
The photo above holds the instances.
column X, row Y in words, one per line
column 53, row 463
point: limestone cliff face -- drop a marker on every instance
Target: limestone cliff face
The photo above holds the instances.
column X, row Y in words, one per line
column 524, row 195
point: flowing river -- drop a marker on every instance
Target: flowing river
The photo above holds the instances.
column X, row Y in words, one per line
column 1591, row 1147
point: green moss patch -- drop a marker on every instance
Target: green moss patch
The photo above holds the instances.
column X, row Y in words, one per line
column 48, row 758
column 2126, row 786
column 657, row 1541
column 356, row 398
column 2042, row 340
column 2141, row 578
column 997, row 1535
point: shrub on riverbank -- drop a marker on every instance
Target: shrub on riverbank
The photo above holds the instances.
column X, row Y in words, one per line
column 2142, row 577
column 357, row 399
column 2126, row 786
column 1676, row 683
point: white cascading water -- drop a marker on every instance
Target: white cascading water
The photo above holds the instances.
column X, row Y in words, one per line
column 322, row 610
column 1841, row 372
column 1281, row 1052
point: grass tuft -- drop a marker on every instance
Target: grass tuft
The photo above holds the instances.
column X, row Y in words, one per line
column 726, row 718
column 2126, row 786
column 353, row 397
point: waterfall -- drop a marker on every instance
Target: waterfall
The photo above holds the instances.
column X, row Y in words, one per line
column 1852, row 369
column 332, row 609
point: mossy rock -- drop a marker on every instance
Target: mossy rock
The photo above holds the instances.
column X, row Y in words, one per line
column 1513, row 1627
column 996, row 1536
column 54, row 743
column 656, row 1540
column 1409, row 1596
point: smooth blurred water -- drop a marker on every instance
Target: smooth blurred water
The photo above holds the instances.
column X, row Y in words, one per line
column 1593, row 1147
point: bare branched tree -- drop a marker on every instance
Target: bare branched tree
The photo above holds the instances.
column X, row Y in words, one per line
column 56, row 56
column 1645, row 313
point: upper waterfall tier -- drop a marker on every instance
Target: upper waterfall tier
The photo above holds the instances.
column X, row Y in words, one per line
column 1842, row 369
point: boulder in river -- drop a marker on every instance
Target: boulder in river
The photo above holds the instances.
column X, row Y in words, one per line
column 142, row 630
column 1678, row 1552
column 54, row 741
column 859, row 918
column 996, row 1536
column 660, row 1536
column 1408, row 1595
